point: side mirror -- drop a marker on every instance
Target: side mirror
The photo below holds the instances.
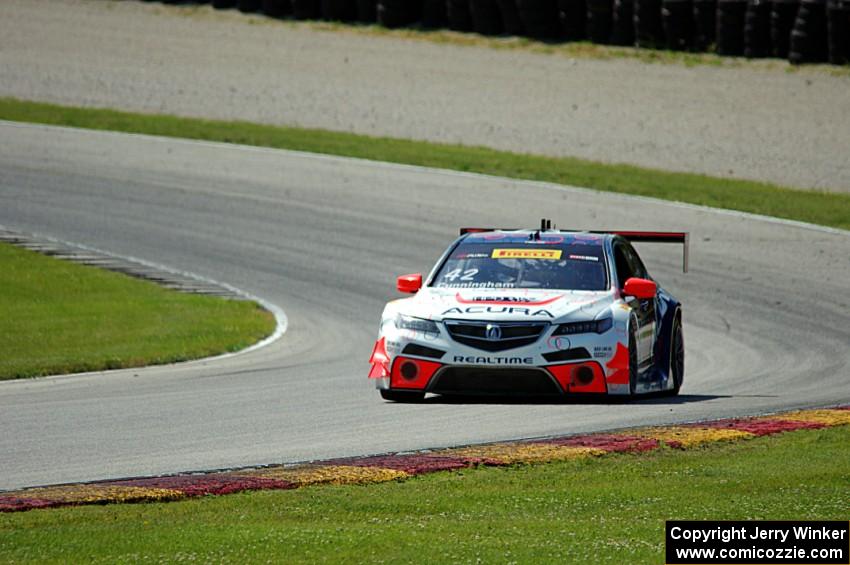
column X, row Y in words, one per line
column 640, row 288
column 409, row 284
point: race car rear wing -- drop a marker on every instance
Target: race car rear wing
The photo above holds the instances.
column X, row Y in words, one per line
column 632, row 236
column 657, row 237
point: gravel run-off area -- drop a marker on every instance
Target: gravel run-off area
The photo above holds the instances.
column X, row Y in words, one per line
column 791, row 128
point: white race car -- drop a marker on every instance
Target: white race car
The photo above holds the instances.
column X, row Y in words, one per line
column 534, row 312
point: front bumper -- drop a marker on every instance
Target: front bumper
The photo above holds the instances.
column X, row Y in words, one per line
column 408, row 373
column 556, row 365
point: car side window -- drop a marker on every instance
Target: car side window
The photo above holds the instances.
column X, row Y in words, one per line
column 621, row 262
column 637, row 268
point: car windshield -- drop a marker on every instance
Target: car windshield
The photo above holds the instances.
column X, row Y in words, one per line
column 511, row 262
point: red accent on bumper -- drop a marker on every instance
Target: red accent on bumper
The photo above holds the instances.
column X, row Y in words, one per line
column 618, row 366
column 425, row 370
column 564, row 374
column 380, row 360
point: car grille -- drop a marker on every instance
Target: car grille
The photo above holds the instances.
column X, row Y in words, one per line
column 513, row 334
column 476, row 380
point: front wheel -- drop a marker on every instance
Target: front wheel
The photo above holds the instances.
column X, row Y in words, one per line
column 402, row 395
column 633, row 357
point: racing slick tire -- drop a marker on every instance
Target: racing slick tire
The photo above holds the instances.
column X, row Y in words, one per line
column 633, row 356
column 402, row 395
column 677, row 357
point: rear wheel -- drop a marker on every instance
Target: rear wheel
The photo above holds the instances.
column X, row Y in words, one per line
column 677, row 356
column 402, row 395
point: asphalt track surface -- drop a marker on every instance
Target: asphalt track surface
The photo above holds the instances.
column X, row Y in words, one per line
column 789, row 128
column 767, row 319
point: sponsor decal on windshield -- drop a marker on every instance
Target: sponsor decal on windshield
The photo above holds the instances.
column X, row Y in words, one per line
column 506, row 300
column 486, row 284
column 584, row 258
column 550, row 254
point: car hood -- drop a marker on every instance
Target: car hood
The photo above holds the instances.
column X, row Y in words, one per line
column 506, row 305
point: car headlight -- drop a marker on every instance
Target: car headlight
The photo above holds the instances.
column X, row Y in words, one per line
column 592, row 326
column 403, row 322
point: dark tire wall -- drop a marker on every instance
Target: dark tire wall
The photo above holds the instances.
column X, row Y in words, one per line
column 731, row 20
column 803, row 31
column 600, row 20
column 623, row 23
column 397, row 13
column 459, row 14
column 572, row 15
column 757, row 29
column 307, row 9
column 838, row 24
column 509, row 13
column 540, row 18
column 486, row 17
column 340, row 10
column 705, row 23
column 277, row 8
column 809, row 43
column 434, row 14
column 366, row 11
column 677, row 20
column 649, row 29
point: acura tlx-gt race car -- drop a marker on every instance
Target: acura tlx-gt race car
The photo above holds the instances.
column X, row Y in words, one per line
column 535, row 312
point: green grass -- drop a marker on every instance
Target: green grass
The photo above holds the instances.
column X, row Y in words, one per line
column 61, row 317
column 829, row 209
column 587, row 511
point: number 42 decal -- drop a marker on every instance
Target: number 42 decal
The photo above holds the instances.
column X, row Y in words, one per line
column 456, row 274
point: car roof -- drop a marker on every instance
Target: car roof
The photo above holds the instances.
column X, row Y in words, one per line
column 530, row 235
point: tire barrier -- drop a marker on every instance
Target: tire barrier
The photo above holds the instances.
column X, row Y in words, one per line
column 572, row 15
column 367, row 11
column 397, row 13
column 249, row 6
column 705, row 23
column 277, row 8
column 434, row 14
column 486, row 18
column 540, row 18
column 757, row 29
column 339, row 10
column 623, row 26
column 307, row 9
column 460, row 18
column 600, row 20
column 803, row 31
column 808, row 38
column 731, row 19
column 838, row 27
column 649, row 29
column 510, row 17
column 677, row 20
column 782, row 16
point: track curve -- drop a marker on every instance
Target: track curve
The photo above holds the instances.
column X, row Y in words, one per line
column 766, row 304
